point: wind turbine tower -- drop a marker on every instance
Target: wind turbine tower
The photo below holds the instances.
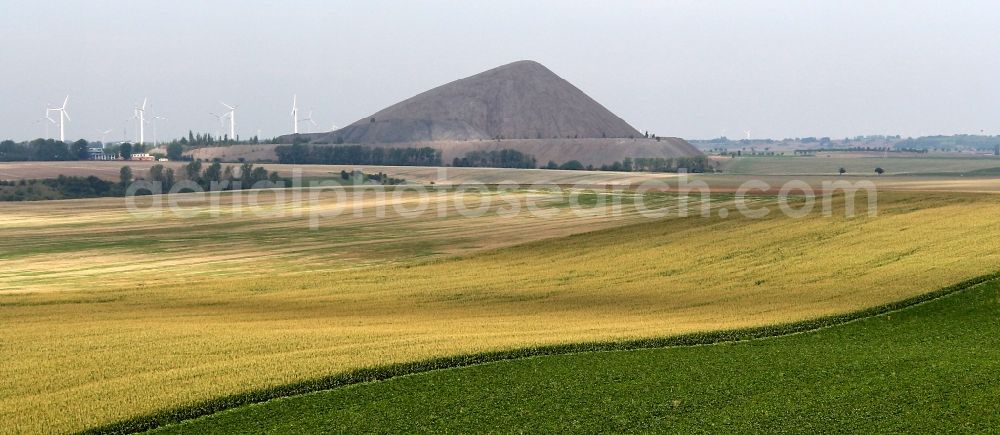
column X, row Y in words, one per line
column 140, row 114
column 232, row 120
column 309, row 118
column 295, row 114
column 156, row 118
column 63, row 117
column 46, row 118
column 222, row 123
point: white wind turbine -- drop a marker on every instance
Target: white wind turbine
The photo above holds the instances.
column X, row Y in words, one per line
column 222, row 123
column 232, row 120
column 308, row 118
column 139, row 113
column 104, row 134
column 63, row 117
column 748, row 134
column 295, row 113
column 157, row 118
column 125, row 130
column 46, row 118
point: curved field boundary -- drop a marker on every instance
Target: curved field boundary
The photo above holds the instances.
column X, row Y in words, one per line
column 147, row 422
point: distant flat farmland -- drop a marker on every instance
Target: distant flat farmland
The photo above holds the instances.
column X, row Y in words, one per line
column 105, row 170
column 855, row 165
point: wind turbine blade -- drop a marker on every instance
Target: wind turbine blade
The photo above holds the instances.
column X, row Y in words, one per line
column 228, row 106
column 67, row 115
column 144, row 103
column 64, row 102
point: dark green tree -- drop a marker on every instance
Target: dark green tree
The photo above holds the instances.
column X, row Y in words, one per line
column 175, row 151
column 126, row 151
column 258, row 174
column 246, row 175
column 80, row 149
column 213, row 173
column 156, row 173
column 572, row 165
column 125, row 177
column 49, row 150
column 192, row 171
column 168, row 179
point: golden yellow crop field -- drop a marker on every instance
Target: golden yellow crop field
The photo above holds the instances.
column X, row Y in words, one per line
column 99, row 244
column 108, row 315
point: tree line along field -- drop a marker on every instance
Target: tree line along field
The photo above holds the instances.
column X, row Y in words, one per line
column 923, row 174
column 150, row 314
column 418, row 174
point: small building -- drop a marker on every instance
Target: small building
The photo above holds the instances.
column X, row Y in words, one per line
column 97, row 153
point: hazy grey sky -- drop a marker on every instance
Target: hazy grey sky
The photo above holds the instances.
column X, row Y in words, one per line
column 694, row 69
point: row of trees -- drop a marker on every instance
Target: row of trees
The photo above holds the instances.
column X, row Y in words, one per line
column 198, row 140
column 642, row 164
column 675, row 164
column 572, row 165
column 43, row 150
column 357, row 155
column 949, row 143
column 47, row 150
column 505, row 158
column 359, row 177
column 62, row 187
column 211, row 177
column 661, row 164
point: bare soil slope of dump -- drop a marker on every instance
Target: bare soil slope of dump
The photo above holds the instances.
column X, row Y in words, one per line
column 520, row 100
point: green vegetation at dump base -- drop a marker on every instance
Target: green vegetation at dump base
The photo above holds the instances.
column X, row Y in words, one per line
column 930, row 368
